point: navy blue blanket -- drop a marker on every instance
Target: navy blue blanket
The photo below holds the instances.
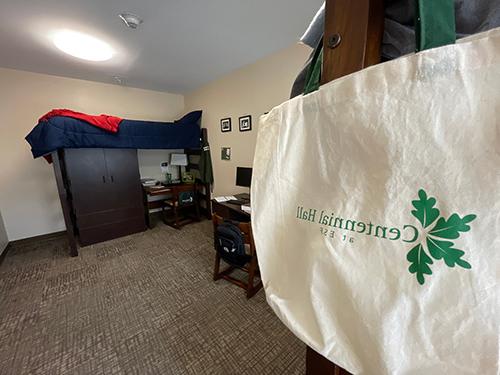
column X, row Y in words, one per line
column 65, row 132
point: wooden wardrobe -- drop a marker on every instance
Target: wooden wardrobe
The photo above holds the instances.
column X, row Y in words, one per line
column 100, row 193
column 352, row 41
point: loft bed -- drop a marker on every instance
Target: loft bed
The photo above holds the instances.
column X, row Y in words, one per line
column 97, row 171
column 61, row 132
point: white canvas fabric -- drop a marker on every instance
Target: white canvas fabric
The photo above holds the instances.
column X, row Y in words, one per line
column 376, row 213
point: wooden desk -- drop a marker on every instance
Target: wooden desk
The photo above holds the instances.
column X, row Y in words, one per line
column 229, row 210
column 172, row 193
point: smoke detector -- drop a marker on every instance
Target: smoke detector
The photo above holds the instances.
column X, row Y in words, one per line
column 118, row 80
column 130, row 20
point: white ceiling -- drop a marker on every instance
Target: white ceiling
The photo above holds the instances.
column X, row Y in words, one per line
column 181, row 45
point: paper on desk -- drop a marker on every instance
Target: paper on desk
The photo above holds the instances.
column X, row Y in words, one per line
column 225, row 198
column 246, row 208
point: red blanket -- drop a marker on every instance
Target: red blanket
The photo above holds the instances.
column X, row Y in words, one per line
column 109, row 123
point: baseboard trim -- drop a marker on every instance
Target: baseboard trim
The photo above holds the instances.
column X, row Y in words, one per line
column 38, row 238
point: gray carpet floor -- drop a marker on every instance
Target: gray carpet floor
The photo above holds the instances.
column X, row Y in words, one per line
column 142, row 304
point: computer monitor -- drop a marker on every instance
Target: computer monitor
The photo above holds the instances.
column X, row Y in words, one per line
column 243, row 176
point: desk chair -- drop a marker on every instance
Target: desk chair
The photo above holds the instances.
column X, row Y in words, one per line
column 184, row 197
column 252, row 267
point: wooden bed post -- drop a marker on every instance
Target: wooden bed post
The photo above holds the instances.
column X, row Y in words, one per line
column 65, row 204
column 353, row 36
column 352, row 41
column 207, row 194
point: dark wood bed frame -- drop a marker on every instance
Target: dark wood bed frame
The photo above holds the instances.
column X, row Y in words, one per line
column 204, row 194
column 352, row 41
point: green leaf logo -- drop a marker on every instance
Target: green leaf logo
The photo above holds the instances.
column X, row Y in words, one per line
column 436, row 240
column 424, row 209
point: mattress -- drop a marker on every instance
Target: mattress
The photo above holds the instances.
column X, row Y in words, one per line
column 65, row 132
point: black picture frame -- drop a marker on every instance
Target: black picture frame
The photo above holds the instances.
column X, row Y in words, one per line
column 225, row 125
column 245, row 123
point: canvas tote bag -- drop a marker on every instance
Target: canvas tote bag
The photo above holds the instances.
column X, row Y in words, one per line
column 376, row 213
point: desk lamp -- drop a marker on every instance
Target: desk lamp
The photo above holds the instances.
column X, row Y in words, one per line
column 179, row 160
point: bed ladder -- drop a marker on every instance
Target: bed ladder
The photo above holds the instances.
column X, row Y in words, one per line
column 204, row 192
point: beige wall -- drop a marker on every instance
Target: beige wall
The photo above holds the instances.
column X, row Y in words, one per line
column 28, row 195
column 150, row 163
column 254, row 90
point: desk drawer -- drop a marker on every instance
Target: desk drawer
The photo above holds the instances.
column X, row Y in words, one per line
column 232, row 213
column 221, row 210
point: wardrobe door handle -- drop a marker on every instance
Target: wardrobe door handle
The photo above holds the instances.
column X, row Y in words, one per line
column 103, row 179
column 112, row 179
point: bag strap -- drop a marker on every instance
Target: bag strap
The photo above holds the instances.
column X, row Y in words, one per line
column 434, row 23
column 313, row 77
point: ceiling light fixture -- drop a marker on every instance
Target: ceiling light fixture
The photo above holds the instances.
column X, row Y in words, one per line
column 83, row 46
column 130, row 20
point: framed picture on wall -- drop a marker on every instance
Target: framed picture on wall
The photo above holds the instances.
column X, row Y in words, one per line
column 225, row 153
column 225, row 125
column 245, row 123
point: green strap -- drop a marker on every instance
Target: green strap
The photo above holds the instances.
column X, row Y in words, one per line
column 435, row 23
column 313, row 77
